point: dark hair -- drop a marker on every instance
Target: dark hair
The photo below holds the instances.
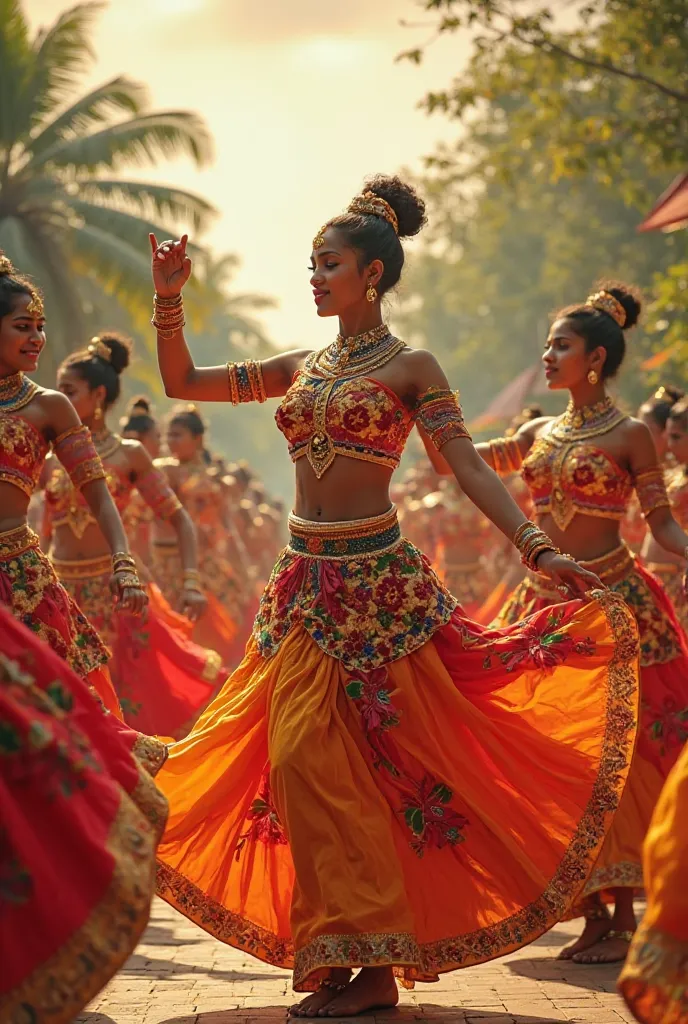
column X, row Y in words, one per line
column 97, row 369
column 374, row 237
column 599, row 328
column 660, row 404
column 12, row 284
column 139, row 418
column 189, row 417
column 679, row 413
column 531, row 412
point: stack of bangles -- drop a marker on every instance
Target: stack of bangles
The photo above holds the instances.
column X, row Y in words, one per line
column 532, row 542
column 192, row 581
column 124, row 569
column 168, row 315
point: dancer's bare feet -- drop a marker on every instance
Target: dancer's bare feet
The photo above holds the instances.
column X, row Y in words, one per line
column 317, row 1001
column 613, row 949
column 596, row 927
column 373, row 988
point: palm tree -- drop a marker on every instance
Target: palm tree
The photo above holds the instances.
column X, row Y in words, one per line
column 227, row 316
column 66, row 217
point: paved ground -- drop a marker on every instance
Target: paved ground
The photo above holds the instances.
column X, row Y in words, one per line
column 180, row 975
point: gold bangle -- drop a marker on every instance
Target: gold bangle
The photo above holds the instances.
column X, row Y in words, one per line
column 128, row 579
column 167, row 300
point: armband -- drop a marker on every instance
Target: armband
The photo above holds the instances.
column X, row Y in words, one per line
column 506, row 455
column 157, row 494
column 439, row 414
column 651, row 490
column 245, row 382
column 77, row 453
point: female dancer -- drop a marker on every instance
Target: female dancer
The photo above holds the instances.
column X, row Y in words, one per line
column 581, row 469
column 667, row 566
column 356, row 796
column 200, row 488
column 161, row 678
column 77, row 856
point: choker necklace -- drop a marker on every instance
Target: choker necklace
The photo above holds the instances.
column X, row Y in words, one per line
column 16, row 391
column 355, row 356
column 106, row 443
column 587, row 421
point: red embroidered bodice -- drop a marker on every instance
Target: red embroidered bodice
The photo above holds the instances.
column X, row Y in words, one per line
column 65, row 504
column 565, row 479
column 22, row 452
column 363, row 418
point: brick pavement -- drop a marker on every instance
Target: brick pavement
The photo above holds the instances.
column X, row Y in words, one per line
column 180, row 975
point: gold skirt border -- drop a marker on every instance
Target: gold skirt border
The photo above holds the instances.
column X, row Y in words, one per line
column 654, row 979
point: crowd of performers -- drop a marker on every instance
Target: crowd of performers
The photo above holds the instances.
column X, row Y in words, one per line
column 391, row 764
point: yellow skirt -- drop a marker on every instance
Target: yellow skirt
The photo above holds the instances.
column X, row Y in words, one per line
column 654, row 981
column 383, row 781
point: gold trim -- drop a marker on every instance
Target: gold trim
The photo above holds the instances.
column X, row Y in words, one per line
column 82, row 569
column 211, row 669
column 62, row 986
column 626, row 874
column 654, row 980
column 15, row 542
column 151, row 752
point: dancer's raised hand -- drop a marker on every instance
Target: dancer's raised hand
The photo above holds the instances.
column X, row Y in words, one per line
column 171, row 265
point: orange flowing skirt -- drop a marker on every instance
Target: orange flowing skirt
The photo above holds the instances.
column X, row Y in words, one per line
column 79, row 825
column 383, row 781
column 654, row 981
column 664, row 706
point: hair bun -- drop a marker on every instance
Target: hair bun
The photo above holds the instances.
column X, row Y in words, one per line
column 120, row 350
column 629, row 297
column 404, row 200
column 140, row 404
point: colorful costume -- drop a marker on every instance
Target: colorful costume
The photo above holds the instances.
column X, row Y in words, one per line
column 654, row 981
column 79, row 825
column 567, row 475
column 671, row 574
column 361, row 791
column 162, row 678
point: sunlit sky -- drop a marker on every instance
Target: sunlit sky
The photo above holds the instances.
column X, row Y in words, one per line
column 303, row 98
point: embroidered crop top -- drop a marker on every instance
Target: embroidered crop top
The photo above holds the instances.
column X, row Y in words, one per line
column 361, row 418
column 23, row 451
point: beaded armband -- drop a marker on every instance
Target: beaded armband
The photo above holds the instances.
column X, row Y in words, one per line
column 157, row 494
column 77, row 453
column 507, row 456
column 245, row 382
column 439, row 414
column 651, row 490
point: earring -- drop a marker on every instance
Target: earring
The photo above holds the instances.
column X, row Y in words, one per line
column 371, row 294
column 98, row 414
column 592, row 377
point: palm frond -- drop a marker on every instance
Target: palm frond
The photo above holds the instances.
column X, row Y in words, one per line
column 139, row 140
column 176, row 204
column 62, row 52
column 15, row 72
column 127, row 227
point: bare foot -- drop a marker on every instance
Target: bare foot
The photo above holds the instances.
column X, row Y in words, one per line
column 316, row 1001
column 613, row 949
column 593, row 933
column 373, row 988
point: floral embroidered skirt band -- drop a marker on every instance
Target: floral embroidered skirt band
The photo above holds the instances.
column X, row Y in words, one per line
column 663, row 709
column 670, row 576
column 369, row 707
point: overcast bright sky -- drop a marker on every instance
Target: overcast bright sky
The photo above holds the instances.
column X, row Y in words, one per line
column 303, row 98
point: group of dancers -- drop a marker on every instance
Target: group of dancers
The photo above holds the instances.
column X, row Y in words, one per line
column 408, row 769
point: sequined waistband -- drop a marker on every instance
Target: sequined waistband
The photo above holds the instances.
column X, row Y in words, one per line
column 611, row 568
column 344, row 540
column 83, row 568
column 16, row 542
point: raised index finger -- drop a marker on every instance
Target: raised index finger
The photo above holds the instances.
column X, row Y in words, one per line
column 153, row 242
column 182, row 241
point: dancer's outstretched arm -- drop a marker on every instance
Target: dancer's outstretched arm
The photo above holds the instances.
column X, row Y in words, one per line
column 181, row 378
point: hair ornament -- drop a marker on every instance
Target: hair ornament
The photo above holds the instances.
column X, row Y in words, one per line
column 606, row 303
column 662, row 395
column 320, row 237
column 376, row 206
column 99, row 349
column 6, row 266
column 36, row 307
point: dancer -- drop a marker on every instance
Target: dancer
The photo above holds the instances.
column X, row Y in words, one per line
column 138, row 424
column 654, row 981
column 582, row 468
column 77, row 855
column 361, row 792
column 467, row 542
column 162, row 679
column 667, row 566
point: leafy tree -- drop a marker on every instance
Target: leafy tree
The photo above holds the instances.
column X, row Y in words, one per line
column 66, row 216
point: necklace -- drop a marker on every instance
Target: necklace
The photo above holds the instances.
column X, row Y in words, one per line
column 585, row 422
column 354, row 356
column 16, row 391
column 106, row 443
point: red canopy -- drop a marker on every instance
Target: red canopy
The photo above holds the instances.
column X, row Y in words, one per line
column 671, row 209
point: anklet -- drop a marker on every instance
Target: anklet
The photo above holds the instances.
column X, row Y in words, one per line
column 613, row 933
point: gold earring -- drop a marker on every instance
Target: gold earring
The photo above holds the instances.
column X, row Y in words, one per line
column 98, row 414
column 371, row 294
column 592, row 377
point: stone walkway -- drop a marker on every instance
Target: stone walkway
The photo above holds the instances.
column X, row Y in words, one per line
column 180, row 975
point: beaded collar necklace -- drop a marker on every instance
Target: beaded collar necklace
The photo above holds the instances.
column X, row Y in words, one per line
column 16, row 391
column 587, row 421
column 106, row 443
column 354, row 356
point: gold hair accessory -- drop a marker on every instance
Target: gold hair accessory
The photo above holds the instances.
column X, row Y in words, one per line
column 35, row 307
column 320, row 237
column 6, row 265
column 376, row 206
column 662, row 395
column 606, row 302
column 99, row 348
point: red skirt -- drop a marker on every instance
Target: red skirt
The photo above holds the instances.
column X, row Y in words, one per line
column 79, row 825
